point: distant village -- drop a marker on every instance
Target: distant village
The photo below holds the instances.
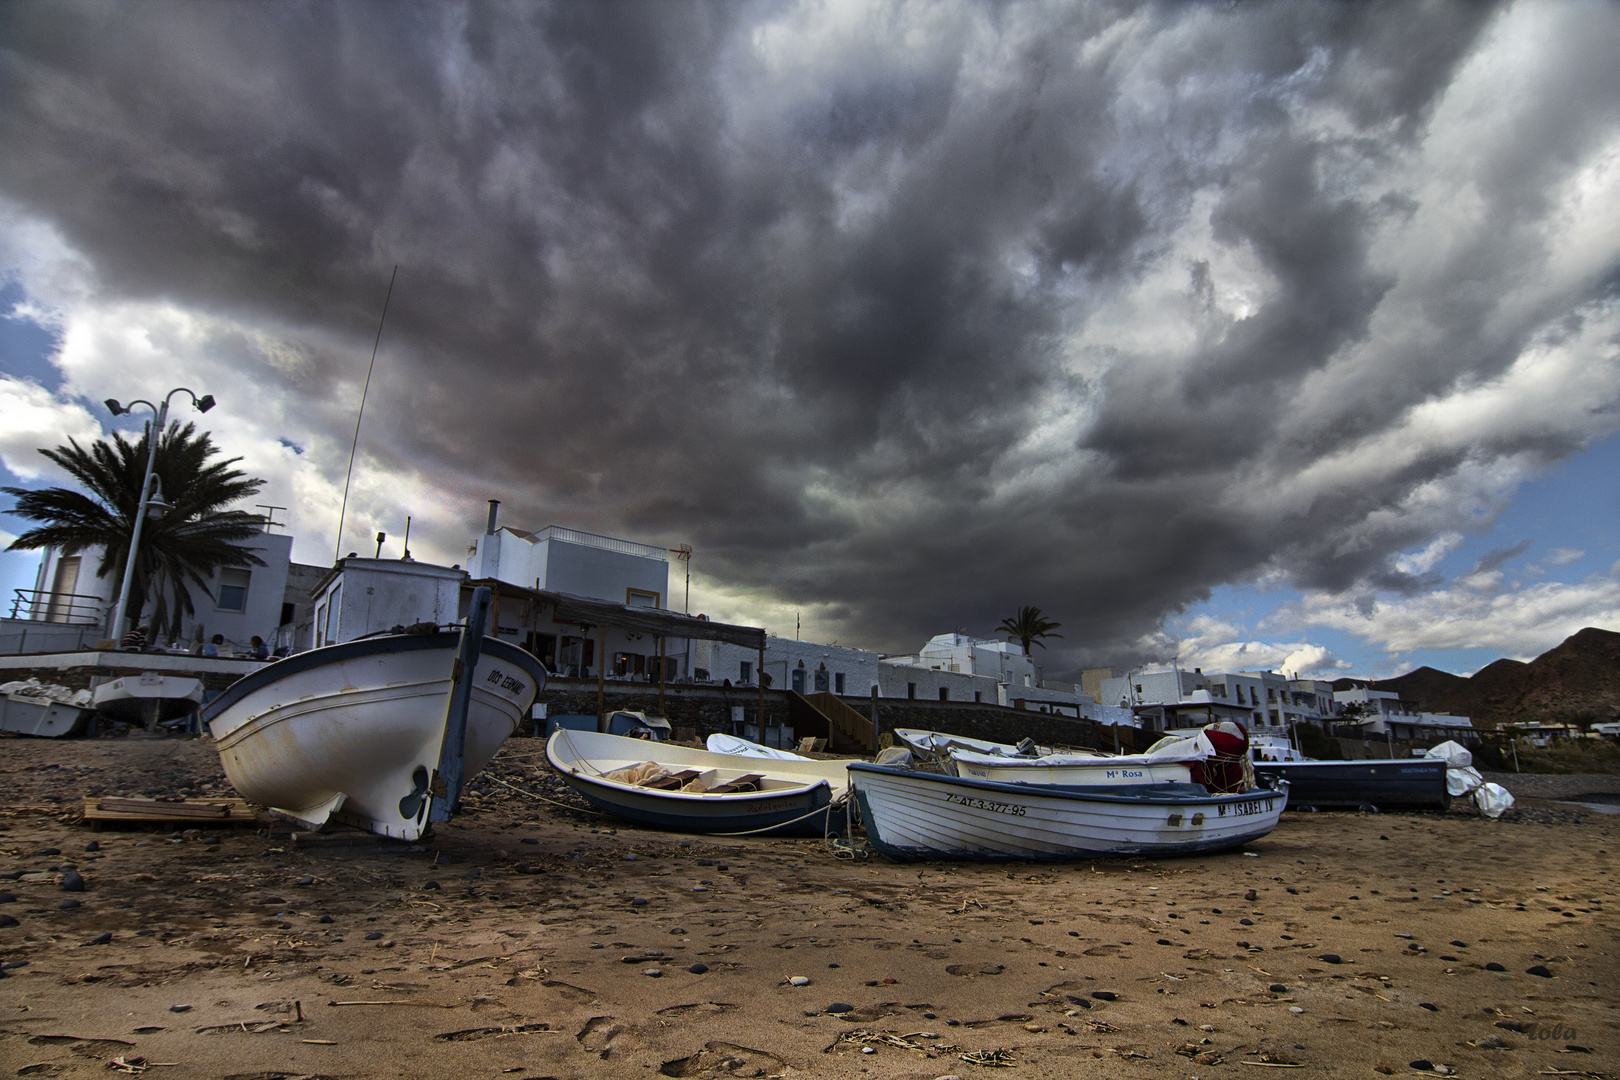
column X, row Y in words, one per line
column 541, row 578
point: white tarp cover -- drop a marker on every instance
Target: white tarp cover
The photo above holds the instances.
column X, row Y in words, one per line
column 730, row 744
column 1463, row 779
column 33, row 688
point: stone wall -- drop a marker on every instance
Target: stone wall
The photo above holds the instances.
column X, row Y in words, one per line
column 708, row 710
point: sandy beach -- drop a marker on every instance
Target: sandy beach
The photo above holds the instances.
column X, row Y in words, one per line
column 533, row 940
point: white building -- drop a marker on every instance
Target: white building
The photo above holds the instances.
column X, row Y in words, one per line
column 241, row 603
column 562, row 560
column 1389, row 716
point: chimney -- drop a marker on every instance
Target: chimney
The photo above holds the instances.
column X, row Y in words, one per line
column 494, row 509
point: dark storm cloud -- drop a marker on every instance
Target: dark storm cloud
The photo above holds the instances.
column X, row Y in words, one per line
column 807, row 293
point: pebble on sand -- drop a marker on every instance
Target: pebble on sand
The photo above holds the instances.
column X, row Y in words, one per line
column 1331, row 958
column 7, row 898
column 1494, row 966
column 101, row 939
column 67, row 905
column 1278, row 988
column 1540, row 970
column 839, row 1007
column 698, row 969
column 374, row 936
column 72, row 882
column 654, row 973
column 94, row 845
column 798, row 980
column 7, row 920
column 179, row 1008
column 1429, row 1006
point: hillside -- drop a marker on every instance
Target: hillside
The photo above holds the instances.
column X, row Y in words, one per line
column 1577, row 680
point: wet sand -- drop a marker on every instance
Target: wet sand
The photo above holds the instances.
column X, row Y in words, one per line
column 522, row 942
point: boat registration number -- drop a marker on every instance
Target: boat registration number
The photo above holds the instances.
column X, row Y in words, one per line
column 1012, row 809
column 1244, row 809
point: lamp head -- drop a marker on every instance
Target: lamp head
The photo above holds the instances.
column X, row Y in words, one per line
column 114, row 408
column 205, row 403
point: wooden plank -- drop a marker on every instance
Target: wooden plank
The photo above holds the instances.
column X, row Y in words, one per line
column 135, row 809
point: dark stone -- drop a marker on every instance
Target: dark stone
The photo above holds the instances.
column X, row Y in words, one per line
column 1423, row 1065
column 272, row 900
column 1331, row 958
column 211, row 841
column 1164, row 941
column 698, row 969
column 832, row 965
column 7, row 920
column 930, row 1016
column 145, row 933
column 324, row 919
column 529, row 840
column 67, row 905
column 7, row 898
column 1178, row 1021
column 1074, row 933
column 1429, row 1006
column 953, row 1023
column 839, row 1007
column 475, row 872
column 1460, row 944
column 49, row 851
column 306, row 881
column 639, row 901
column 179, row 1008
column 1278, row 988
column 1540, row 971
column 94, row 845
column 429, row 886
column 1251, row 895
column 1494, row 966
column 375, row 935
column 101, row 939
column 1245, row 922
column 1214, row 911
column 72, row 882
column 1105, row 995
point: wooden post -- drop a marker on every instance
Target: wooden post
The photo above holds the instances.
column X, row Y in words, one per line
column 445, row 785
column 759, row 677
column 661, row 711
column 601, row 676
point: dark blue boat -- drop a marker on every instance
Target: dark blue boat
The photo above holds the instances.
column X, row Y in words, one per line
column 1399, row 784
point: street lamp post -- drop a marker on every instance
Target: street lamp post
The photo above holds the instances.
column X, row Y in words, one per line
column 202, row 404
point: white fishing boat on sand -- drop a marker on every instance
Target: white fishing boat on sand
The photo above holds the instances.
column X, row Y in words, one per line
column 380, row 732
column 669, row 786
column 148, row 699
column 29, row 707
column 1202, row 756
column 915, row 815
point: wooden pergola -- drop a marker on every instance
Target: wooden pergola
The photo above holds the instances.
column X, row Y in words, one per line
column 589, row 613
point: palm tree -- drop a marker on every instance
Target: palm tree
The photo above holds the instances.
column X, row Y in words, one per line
column 1028, row 628
column 186, row 545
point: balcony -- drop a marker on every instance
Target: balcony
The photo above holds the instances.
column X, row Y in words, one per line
column 72, row 609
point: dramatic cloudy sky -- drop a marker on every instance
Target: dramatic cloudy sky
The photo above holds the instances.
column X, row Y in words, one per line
column 1261, row 335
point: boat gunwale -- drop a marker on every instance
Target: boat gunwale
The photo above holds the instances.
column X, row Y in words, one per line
column 360, row 648
column 1063, row 792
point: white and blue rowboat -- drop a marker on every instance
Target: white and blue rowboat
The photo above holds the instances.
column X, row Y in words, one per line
column 669, row 786
column 912, row 815
column 379, row 732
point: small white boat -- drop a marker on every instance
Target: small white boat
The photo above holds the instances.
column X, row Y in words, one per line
column 148, row 699
column 929, row 744
column 363, row 732
column 33, row 708
column 1074, row 769
column 669, row 786
column 915, row 815
column 721, row 743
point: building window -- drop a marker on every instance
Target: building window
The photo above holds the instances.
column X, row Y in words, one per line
column 944, row 694
column 233, row 588
column 838, row 682
column 911, row 690
column 640, row 598
column 978, row 695
column 746, row 671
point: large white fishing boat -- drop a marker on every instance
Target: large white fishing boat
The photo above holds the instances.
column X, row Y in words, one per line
column 379, row 732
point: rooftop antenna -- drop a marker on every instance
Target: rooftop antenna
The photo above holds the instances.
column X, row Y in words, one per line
column 684, row 553
column 362, row 412
column 270, row 521
column 407, row 554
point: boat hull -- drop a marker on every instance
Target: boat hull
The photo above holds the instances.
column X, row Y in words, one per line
column 1399, row 784
column 148, row 698
column 912, row 816
column 806, row 799
column 353, row 732
column 41, row 717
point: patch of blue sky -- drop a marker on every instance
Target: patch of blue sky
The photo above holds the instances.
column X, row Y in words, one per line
column 26, row 345
column 1562, row 526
